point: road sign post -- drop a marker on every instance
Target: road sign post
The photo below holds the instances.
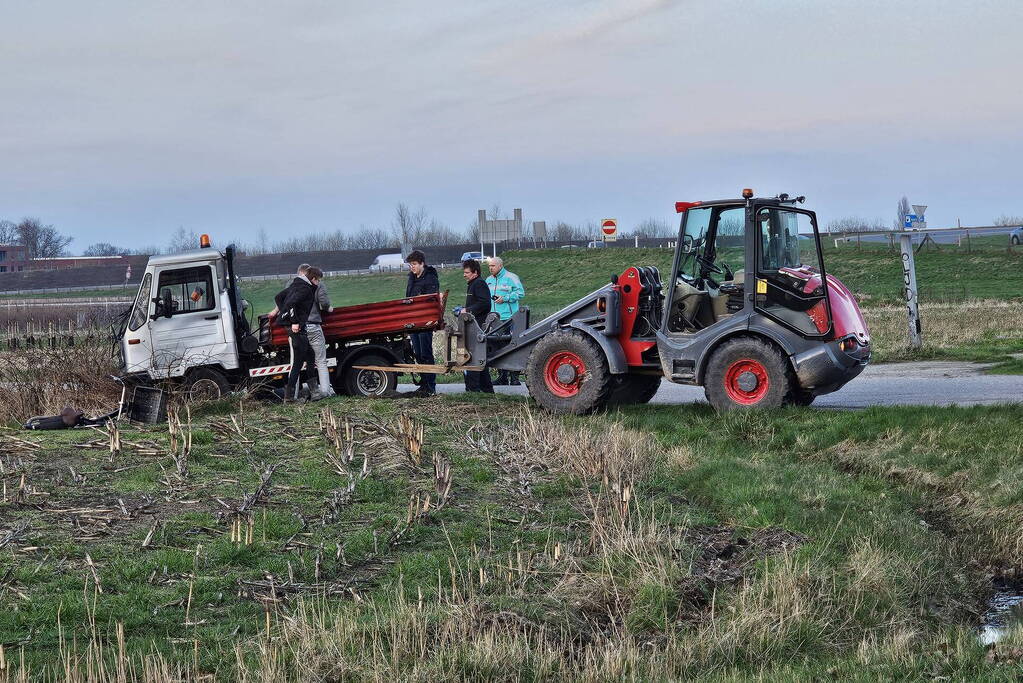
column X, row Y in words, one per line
column 910, row 291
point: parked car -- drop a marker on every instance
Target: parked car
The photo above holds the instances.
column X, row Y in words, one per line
column 387, row 262
column 569, row 246
column 1016, row 237
column 477, row 256
column 596, row 245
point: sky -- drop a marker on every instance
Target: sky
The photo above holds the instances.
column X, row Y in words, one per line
column 122, row 121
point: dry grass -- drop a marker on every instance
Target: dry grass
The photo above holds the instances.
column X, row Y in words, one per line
column 43, row 381
column 945, row 326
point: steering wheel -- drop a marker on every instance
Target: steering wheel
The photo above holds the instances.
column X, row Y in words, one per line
column 709, row 266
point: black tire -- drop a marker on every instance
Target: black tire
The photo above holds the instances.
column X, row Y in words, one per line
column 205, row 384
column 1014, row 240
column 572, row 356
column 801, row 398
column 747, row 372
column 633, row 389
column 366, row 383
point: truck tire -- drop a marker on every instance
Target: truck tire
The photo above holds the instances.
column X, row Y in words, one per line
column 633, row 389
column 567, row 372
column 748, row 373
column 367, row 383
column 205, row 384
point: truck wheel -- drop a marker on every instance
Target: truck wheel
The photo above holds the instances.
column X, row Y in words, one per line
column 567, row 373
column 633, row 389
column 368, row 383
column 1015, row 240
column 205, row 384
column 748, row 373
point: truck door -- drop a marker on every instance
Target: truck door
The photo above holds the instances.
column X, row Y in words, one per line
column 186, row 329
column 791, row 287
column 137, row 347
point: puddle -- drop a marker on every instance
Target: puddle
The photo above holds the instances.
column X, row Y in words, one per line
column 1004, row 611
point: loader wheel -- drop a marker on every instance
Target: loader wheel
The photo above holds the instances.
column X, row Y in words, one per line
column 801, row 398
column 205, row 384
column 748, row 373
column 633, row 389
column 368, row 383
column 567, row 373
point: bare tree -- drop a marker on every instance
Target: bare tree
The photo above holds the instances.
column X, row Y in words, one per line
column 857, row 224
column 8, row 232
column 652, row 227
column 904, row 210
column 40, row 241
column 104, row 249
column 1005, row 219
column 407, row 224
column 182, row 241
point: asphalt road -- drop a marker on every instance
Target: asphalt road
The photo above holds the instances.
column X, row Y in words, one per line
column 931, row 383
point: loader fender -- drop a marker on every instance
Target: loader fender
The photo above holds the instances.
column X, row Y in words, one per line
column 612, row 348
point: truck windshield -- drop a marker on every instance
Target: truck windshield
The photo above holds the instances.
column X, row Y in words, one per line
column 140, row 313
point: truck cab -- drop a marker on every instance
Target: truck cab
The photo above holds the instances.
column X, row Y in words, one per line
column 182, row 317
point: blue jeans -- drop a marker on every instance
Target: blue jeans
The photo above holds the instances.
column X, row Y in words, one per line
column 422, row 347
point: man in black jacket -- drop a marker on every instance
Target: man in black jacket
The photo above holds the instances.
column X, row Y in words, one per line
column 293, row 305
column 422, row 279
column 477, row 302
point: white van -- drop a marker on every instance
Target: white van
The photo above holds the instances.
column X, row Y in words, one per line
column 387, row 262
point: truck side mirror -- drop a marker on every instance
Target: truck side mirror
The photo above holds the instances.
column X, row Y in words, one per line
column 168, row 303
column 687, row 244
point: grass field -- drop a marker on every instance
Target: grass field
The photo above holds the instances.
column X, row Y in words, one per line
column 653, row 543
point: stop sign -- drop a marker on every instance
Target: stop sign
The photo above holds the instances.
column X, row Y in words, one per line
column 609, row 226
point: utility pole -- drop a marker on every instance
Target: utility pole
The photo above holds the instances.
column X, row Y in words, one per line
column 910, row 290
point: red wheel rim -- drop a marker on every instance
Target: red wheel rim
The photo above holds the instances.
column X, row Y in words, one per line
column 563, row 373
column 746, row 381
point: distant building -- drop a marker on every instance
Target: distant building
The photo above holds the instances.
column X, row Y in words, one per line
column 13, row 258
column 68, row 262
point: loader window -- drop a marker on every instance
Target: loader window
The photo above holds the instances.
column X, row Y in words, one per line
column 791, row 284
column 191, row 289
column 140, row 314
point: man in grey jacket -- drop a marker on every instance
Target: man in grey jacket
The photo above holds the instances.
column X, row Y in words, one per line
column 318, row 342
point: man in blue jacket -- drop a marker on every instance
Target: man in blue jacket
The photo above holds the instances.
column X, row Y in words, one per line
column 506, row 291
column 422, row 279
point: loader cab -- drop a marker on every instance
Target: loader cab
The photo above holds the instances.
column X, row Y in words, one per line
column 739, row 258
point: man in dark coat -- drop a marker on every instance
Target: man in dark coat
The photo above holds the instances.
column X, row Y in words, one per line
column 422, row 279
column 293, row 305
column 477, row 302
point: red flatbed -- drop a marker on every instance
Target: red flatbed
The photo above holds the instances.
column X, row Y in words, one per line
column 363, row 321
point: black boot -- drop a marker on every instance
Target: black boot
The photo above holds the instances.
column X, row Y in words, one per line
column 502, row 378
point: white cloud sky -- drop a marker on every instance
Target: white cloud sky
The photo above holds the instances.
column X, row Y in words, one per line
column 122, row 120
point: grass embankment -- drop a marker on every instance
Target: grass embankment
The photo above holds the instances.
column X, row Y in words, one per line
column 660, row 542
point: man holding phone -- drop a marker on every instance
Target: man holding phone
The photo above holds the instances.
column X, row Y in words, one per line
column 506, row 291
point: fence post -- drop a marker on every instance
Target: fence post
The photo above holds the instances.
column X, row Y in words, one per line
column 910, row 290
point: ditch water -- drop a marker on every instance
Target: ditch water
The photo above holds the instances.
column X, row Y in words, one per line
column 1005, row 610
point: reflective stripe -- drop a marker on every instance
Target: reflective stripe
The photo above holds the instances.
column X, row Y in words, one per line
column 278, row 369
